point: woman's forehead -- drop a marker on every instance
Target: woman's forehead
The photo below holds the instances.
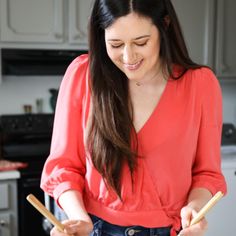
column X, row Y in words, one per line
column 131, row 25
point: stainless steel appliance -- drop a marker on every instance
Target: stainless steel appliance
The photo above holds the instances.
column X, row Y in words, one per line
column 27, row 138
column 228, row 134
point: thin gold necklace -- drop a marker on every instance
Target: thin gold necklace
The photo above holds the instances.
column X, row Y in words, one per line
column 137, row 83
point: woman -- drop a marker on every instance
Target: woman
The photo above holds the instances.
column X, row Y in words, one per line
column 136, row 140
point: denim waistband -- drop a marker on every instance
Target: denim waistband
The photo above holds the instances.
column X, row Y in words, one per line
column 103, row 228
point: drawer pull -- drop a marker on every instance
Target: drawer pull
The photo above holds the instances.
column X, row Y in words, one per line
column 3, row 223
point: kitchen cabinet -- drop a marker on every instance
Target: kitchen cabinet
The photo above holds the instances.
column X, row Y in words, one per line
column 197, row 21
column 226, row 38
column 221, row 219
column 78, row 21
column 8, row 208
column 208, row 27
column 44, row 23
column 32, row 21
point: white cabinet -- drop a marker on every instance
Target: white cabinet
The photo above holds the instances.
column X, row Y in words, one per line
column 210, row 33
column 197, row 21
column 226, row 39
column 44, row 23
column 8, row 208
column 32, row 21
column 221, row 218
column 78, row 21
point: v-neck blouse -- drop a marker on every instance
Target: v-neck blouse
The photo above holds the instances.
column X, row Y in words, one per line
column 178, row 148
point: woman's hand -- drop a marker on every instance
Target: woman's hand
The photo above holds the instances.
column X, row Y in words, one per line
column 187, row 213
column 73, row 227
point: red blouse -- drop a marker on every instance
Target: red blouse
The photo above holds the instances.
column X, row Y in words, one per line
column 179, row 147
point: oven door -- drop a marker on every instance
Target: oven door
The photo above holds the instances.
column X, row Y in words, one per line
column 30, row 220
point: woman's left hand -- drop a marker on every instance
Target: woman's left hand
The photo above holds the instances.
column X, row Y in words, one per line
column 199, row 229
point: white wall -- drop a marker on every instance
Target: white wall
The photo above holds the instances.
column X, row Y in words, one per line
column 17, row 91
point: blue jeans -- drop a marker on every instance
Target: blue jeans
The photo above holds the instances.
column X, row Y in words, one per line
column 103, row 228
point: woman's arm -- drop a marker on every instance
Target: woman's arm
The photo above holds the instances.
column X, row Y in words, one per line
column 198, row 197
column 79, row 222
column 72, row 203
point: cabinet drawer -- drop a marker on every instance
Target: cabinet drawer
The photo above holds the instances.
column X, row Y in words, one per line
column 4, row 200
column 5, row 225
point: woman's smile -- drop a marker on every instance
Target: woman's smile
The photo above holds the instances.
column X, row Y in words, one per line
column 133, row 66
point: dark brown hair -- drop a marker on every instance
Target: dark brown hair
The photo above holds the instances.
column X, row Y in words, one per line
column 112, row 141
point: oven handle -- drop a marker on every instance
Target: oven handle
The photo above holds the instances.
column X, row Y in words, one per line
column 31, row 182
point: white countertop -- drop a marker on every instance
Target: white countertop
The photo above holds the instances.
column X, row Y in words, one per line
column 228, row 154
column 229, row 160
column 11, row 174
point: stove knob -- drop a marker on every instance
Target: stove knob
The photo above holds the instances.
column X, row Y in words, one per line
column 14, row 126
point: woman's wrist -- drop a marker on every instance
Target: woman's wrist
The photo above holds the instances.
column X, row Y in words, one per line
column 198, row 197
column 72, row 203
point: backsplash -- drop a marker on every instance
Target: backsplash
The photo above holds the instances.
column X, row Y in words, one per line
column 15, row 92
column 18, row 91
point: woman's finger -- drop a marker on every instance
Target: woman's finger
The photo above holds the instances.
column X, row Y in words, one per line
column 186, row 215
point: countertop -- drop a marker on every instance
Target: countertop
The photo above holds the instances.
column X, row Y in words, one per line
column 11, row 174
column 228, row 161
column 228, row 154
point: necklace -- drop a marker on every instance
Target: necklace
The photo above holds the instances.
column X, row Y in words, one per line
column 155, row 76
column 138, row 83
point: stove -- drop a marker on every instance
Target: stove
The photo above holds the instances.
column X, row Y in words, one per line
column 27, row 138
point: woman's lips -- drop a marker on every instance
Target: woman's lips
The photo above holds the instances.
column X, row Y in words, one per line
column 134, row 66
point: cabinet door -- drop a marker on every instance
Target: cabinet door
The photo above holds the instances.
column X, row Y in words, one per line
column 226, row 39
column 221, row 218
column 31, row 21
column 5, row 225
column 197, row 21
column 79, row 11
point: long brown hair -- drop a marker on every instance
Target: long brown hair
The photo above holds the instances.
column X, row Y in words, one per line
column 112, row 141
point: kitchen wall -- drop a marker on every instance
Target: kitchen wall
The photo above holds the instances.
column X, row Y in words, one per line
column 17, row 91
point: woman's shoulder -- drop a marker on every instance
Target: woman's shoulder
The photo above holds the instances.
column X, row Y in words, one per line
column 76, row 77
column 78, row 69
column 79, row 63
column 202, row 77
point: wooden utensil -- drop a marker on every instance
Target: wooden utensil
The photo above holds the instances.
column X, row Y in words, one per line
column 45, row 212
column 206, row 208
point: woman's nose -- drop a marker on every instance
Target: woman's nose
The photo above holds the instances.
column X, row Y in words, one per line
column 128, row 55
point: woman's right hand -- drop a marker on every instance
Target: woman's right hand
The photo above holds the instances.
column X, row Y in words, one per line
column 73, row 227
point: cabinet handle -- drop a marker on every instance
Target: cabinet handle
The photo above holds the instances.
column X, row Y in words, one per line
column 58, row 35
column 235, row 172
column 3, row 223
column 79, row 35
column 224, row 67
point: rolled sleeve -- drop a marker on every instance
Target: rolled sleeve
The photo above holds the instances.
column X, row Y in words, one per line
column 207, row 165
column 65, row 167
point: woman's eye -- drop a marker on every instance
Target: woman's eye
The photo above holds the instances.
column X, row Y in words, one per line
column 141, row 44
column 116, row 46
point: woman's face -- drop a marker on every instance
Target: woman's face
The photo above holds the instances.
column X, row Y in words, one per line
column 133, row 45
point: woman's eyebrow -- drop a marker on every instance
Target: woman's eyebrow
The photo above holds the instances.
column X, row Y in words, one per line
column 137, row 38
